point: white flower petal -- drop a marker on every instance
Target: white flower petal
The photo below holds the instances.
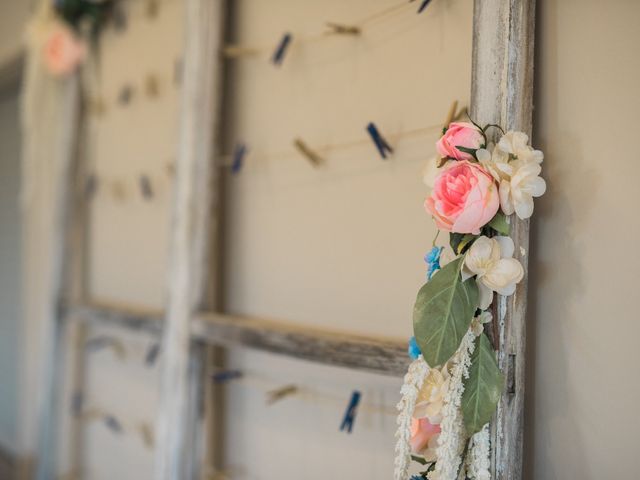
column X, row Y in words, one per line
column 524, row 207
column 537, row 186
column 485, row 296
column 480, row 255
column 504, row 275
column 506, row 246
column 505, row 197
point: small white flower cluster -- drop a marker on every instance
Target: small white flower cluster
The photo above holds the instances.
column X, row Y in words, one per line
column 479, row 464
column 413, row 380
column 450, row 441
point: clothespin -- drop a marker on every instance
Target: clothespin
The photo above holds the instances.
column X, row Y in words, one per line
column 145, row 187
column 146, row 432
column 340, row 29
column 119, row 18
column 239, row 152
column 315, row 159
column 90, row 186
column 118, row 190
column 112, row 423
column 423, row 5
column 152, row 354
column 152, row 9
column 170, row 168
column 279, row 393
column 152, row 86
column 451, row 114
column 281, row 50
column 350, row 413
column 77, row 401
column 125, row 95
column 226, row 375
column 379, row 141
column 177, row 71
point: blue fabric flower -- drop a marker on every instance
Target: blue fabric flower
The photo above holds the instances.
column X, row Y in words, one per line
column 433, row 261
column 414, row 349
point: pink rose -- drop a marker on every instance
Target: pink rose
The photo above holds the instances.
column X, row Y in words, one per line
column 463, row 199
column 63, row 51
column 422, row 431
column 460, row 134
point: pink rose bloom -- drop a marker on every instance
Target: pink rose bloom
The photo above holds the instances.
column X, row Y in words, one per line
column 63, row 51
column 459, row 134
column 422, row 431
column 464, row 198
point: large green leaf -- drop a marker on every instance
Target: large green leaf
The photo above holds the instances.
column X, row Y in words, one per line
column 483, row 387
column 443, row 312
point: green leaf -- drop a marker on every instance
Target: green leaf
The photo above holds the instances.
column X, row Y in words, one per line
column 443, row 312
column 499, row 224
column 418, row 459
column 461, row 241
column 483, row 387
column 470, row 151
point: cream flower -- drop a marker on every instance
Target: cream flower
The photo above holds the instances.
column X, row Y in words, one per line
column 490, row 259
column 515, row 165
column 516, row 193
column 431, row 397
column 431, row 170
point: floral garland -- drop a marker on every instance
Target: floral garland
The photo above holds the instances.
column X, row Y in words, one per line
column 447, row 403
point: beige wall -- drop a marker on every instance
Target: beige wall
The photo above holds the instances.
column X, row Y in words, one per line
column 584, row 392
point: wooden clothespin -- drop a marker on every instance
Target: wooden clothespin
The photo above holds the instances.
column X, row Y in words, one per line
column 153, row 7
column 379, row 141
column 451, row 115
column 350, row 413
column 178, row 67
column 170, row 168
column 145, row 187
column 118, row 190
column 315, row 159
column 340, row 29
column 281, row 49
column 152, row 86
column 225, row 376
column 239, row 152
column 278, row 394
column 112, row 423
column 152, row 354
column 146, row 432
column 119, row 18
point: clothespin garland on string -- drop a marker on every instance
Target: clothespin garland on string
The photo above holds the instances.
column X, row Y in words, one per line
column 152, row 354
column 278, row 394
column 152, row 86
column 239, row 153
column 145, row 187
column 125, row 95
column 225, row 376
column 281, row 50
column 379, row 141
column 350, row 413
column 315, row 159
column 341, row 29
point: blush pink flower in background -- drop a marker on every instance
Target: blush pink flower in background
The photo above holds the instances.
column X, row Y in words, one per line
column 63, row 51
column 464, row 198
column 423, row 435
column 460, row 134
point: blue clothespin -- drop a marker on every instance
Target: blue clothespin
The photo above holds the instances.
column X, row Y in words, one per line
column 381, row 144
column 77, row 401
column 239, row 153
column 90, row 186
column 145, row 187
column 423, row 5
column 112, row 423
column 281, row 50
column 152, row 354
column 226, row 375
column 350, row 414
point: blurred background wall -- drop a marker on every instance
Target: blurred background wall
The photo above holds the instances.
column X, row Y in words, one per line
column 342, row 246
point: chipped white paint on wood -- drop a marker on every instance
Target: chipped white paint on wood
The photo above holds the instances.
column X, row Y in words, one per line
column 188, row 264
column 501, row 93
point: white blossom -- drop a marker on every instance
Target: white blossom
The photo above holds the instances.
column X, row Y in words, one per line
column 413, row 380
column 490, row 259
column 451, row 439
column 479, row 461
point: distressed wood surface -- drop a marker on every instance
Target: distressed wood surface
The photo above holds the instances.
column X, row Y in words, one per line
column 387, row 356
column 502, row 93
column 148, row 321
column 177, row 424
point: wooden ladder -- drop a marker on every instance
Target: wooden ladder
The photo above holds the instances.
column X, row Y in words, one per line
column 193, row 330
